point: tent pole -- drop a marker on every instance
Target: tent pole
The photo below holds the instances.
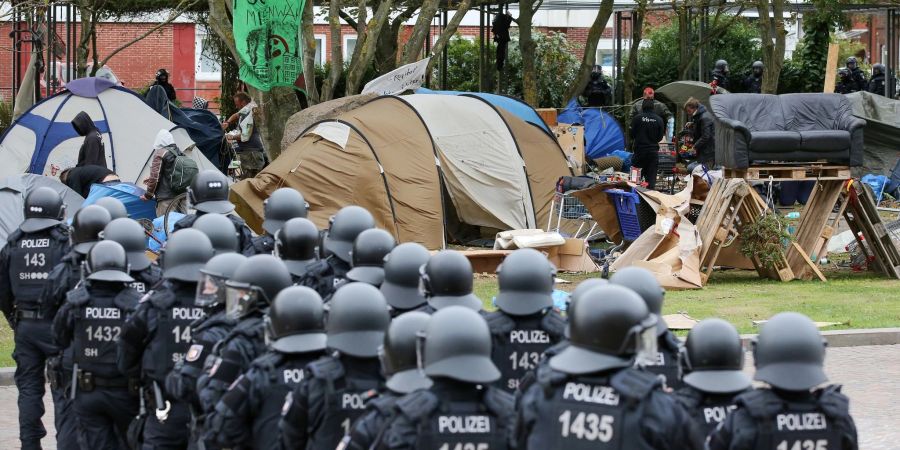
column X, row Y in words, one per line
column 444, row 58
column 481, row 48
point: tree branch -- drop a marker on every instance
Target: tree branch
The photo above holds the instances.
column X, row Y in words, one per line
column 448, row 32
column 347, row 18
column 180, row 9
column 413, row 47
column 537, row 6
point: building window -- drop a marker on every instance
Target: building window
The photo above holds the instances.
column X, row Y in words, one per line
column 349, row 46
column 320, row 49
column 605, row 57
column 207, row 67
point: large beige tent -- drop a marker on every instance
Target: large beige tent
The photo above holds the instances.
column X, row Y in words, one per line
column 422, row 164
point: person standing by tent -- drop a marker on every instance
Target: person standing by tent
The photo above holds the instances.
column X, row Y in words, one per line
column 647, row 130
column 659, row 108
column 703, row 131
column 246, row 139
column 162, row 79
column 753, row 83
column 598, row 92
column 720, row 74
column 92, row 151
column 165, row 181
column 876, row 84
column 857, row 77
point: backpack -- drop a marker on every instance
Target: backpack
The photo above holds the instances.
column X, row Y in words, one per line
column 182, row 171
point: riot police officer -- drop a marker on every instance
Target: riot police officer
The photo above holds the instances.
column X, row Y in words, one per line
column 112, row 205
column 447, row 280
column 284, row 204
column 857, row 77
column 876, row 84
column 795, row 411
column 525, row 324
column 460, row 409
column 401, row 277
column 295, row 244
column 131, row 236
column 320, row 410
column 668, row 346
column 328, row 272
column 248, row 413
column 367, row 256
column 31, row 251
column 158, row 335
column 554, row 350
column 590, row 395
column 712, row 359
column 208, row 193
column 90, row 322
column 249, row 292
column 720, row 74
column 220, row 232
column 399, row 363
column 206, row 332
column 753, row 83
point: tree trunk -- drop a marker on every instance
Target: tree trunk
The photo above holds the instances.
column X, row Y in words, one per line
column 637, row 33
column 94, row 59
column 413, row 47
column 686, row 47
column 590, row 49
column 366, row 48
column 527, row 47
column 772, row 34
column 449, row 31
column 337, row 58
column 309, row 53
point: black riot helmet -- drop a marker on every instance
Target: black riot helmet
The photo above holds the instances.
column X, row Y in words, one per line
column 107, row 262
column 357, row 320
column 878, row 69
column 284, row 204
column 611, row 325
column 446, row 279
column 401, row 276
column 367, row 256
column 296, row 321
column 722, row 66
column 645, row 284
column 526, row 280
column 220, row 231
column 132, row 237
column 852, row 64
column 255, row 284
column 343, row 229
column 87, row 225
column 399, row 360
column 458, row 346
column 712, row 358
column 211, row 287
column 790, row 353
column 843, row 72
column 185, row 253
column 295, row 244
column 162, row 75
column 114, row 206
column 208, row 192
column 44, row 208
column 579, row 291
column 757, row 67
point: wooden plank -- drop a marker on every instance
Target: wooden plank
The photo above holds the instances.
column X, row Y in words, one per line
column 795, row 172
column 811, row 264
column 831, row 63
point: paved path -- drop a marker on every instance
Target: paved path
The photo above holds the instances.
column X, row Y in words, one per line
column 870, row 375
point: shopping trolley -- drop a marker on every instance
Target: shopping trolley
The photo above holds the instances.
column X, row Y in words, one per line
column 569, row 217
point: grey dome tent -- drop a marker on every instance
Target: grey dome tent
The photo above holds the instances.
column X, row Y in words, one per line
column 14, row 189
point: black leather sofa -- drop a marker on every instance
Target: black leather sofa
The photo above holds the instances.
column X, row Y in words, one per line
column 786, row 128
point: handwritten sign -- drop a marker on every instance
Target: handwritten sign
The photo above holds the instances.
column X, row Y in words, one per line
column 410, row 76
column 265, row 32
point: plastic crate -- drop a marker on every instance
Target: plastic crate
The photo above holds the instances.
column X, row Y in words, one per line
column 627, row 210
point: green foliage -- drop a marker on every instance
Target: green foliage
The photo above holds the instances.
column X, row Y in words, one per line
column 806, row 72
column 462, row 57
column 765, row 239
column 6, row 113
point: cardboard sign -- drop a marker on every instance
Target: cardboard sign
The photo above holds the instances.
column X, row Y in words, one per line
column 410, row 76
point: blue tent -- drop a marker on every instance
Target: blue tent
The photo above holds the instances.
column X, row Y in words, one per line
column 202, row 125
column 128, row 194
column 517, row 107
column 159, row 236
column 602, row 134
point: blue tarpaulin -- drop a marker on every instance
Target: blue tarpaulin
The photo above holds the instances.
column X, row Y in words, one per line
column 602, row 134
column 128, row 194
column 517, row 107
column 159, row 235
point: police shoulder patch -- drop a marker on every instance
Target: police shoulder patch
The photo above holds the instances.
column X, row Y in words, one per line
column 194, row 353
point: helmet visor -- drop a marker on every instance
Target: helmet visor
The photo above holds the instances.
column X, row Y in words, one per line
column 240, row 298
column 210, row 291
column 647, row 351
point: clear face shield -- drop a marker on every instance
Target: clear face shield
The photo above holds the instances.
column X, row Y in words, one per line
column 210, row 291
column 240, row 298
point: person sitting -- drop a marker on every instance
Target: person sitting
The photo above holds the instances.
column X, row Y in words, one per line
column 92, row 151
column 80, row 179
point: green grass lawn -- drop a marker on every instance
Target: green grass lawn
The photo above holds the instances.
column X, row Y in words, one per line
column 856, row 300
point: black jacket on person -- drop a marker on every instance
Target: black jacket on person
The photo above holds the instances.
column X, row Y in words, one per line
column 858, row 80
column 81, row 178
column 704, row 133
column 876, row 84
column 92, row 151
column 647, row 129
column 170, row 90
column 753, row 84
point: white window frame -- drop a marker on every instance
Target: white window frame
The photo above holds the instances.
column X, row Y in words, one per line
column 199, row 35
column 323, row 49
column 346, row 38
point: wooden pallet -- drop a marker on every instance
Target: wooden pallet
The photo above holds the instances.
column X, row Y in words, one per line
column 818, row 222
column 862, row 217
column 791, row 172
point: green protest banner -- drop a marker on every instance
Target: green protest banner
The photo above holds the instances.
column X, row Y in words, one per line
column 266, row 33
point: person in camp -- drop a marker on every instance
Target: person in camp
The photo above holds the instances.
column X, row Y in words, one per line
column 92, row 151
column 720, row 74
column 162, row 79
column 876, row 84
column 659, row 108
column 647, row 129
column 753, row 83
column 857, row 77
column 245, row 139
column 703, row 130
column 168, row 178
column 80, row 179
column 208, row 194
column 598, row 92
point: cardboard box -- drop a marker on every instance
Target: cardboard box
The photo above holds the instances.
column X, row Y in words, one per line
column 548, row 115
column 571, row 140
column 485, row 261
column 572, row 256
